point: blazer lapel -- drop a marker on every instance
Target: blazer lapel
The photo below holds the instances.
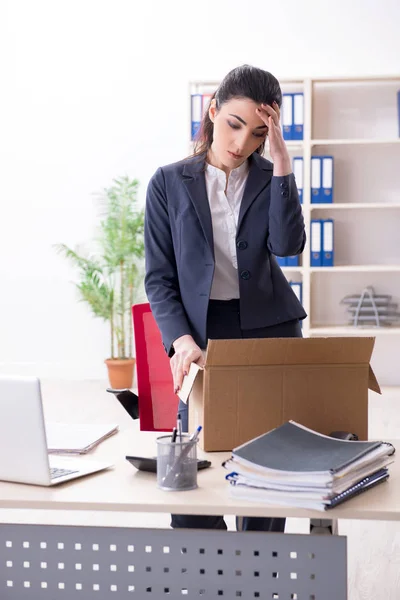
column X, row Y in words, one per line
column 195, row 183
column 260, row 174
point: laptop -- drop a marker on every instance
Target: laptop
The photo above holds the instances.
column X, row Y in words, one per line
column 23, row 443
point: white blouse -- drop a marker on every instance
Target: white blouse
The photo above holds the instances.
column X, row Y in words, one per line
column 225, row 207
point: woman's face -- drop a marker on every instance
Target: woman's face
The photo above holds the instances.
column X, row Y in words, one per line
column 238, row 132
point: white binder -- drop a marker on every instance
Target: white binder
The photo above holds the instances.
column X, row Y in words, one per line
column 316, row 239
column 196, row 114
column 327, row 178
column 298, row 174
column 316, row 167
column 298, row 116
column 287, row 116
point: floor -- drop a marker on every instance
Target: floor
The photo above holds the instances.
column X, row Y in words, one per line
column 373, row 548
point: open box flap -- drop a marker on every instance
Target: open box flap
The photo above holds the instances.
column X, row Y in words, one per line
column 289, row 351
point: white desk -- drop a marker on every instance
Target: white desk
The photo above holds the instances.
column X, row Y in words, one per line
column 236, row 564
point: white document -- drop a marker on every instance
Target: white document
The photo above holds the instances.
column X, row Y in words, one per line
column 76, row 438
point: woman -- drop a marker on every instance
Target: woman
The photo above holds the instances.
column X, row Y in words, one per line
column 213, row 223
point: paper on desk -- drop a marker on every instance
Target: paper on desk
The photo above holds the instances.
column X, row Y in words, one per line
column 188, row 382
column 74, row 438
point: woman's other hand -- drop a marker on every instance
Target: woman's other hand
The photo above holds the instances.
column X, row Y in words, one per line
column 186, row 352
column 277, row 147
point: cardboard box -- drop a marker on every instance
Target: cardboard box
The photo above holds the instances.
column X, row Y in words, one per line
column 248, row 387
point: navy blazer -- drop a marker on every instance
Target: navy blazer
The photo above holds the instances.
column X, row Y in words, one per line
column 179, row 248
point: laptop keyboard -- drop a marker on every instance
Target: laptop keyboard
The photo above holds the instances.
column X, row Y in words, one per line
column 54, row 472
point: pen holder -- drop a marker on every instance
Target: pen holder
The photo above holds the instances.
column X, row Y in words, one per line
column 176, row 463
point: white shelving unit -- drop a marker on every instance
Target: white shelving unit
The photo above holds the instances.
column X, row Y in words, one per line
column 356, row 121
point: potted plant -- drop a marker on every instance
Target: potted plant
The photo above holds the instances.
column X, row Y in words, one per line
column 111, row 277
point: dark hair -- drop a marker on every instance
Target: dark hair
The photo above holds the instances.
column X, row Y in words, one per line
column 242, row 82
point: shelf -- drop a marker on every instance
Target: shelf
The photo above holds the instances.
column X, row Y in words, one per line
column 349, row 330
column 361, row 141
column 356, row 120
column 357, row 79
column 292, row 269
column 294, row 144
column 358, row 269
column 354, row 205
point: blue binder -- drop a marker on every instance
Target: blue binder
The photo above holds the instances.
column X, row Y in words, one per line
column 297, row 288
column 327, row 243
column 292, row 261
column 196, row 114
column 281, row 260
column 316, row 243
column 298, row 175
column 317, row 196
column 287, row 116
column 298, row 116
column 327, row 178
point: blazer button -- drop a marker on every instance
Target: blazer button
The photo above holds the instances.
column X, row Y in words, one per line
column 245, row 274
column 242, row 245
column 285, row 193
column 283, row 185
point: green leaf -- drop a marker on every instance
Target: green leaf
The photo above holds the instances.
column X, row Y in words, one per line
column 111, row 277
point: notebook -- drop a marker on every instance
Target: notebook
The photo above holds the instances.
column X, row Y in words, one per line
column 296, row 449
column 308, row 499
column 65, row 438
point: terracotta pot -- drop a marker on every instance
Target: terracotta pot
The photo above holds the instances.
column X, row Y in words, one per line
column 120, row 372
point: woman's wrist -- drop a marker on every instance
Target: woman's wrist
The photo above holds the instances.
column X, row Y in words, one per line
column 282, row 167
column 182, row 340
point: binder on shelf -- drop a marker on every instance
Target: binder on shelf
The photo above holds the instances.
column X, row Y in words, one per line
column 298, row 175
column 327, row 243
column 316, row 177
column 292, row 261
column 287, row 116
column 327, row 178
column 205, row 101
column 196, row 114
column 316, row 242
column 298, row 116
column 281, row 260
column 297, row 288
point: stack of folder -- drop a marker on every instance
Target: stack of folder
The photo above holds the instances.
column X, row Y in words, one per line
column 296, row 466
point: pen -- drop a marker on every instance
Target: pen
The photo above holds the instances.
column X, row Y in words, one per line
column 195, row 435
column 179, row 426
column 174, row 434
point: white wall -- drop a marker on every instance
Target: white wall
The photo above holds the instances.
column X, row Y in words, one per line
column 93, row 89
